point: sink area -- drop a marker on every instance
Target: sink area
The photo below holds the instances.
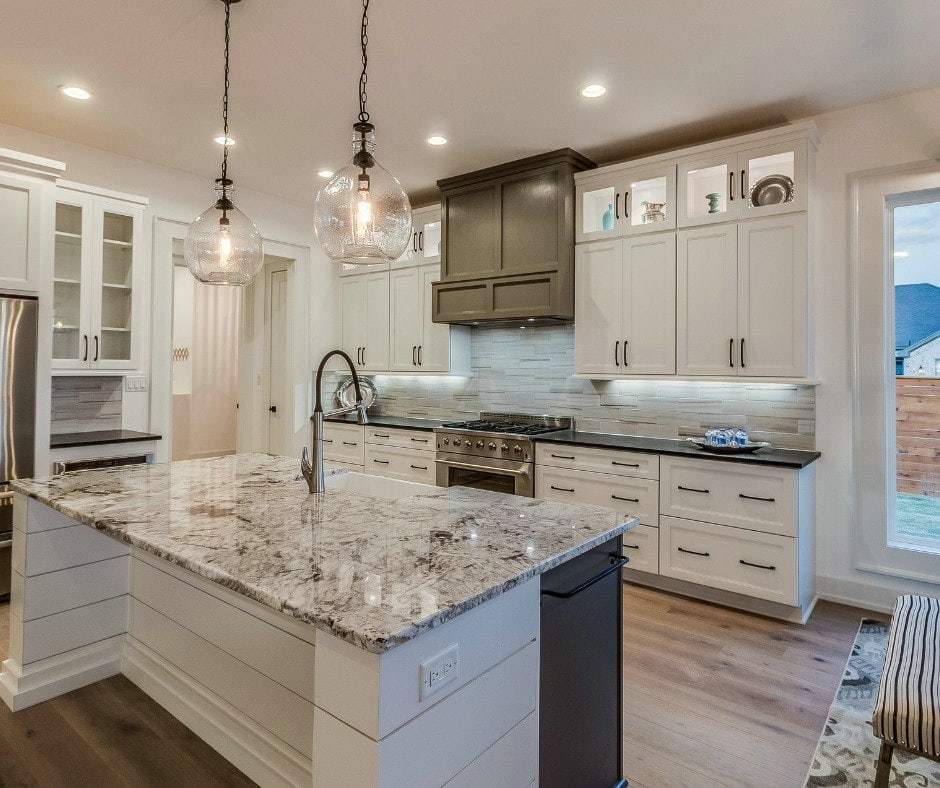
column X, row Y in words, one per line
column 375, row 486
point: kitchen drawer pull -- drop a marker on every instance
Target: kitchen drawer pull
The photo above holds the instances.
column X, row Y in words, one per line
column 692, row 489
column 419, row 440
column 731, row 185
column 743, row 197
column 381, row 462
column 414, row 242
column 563, row 456
column 327, row 440
column 85, row 338
column 414, row 358
column 380, row 435
column 758, row 566
column 625, row 464
column 742, row 353
column 96, row 348
column 419, row 355
column 625, row 343
column 350, row 443
column 421, row 232
column 631, row 546
column 692, row 552
column 363, row 355
column 756, row 498
column 731, row 352
column 420, row 467
column 617, row 205
column 621, row 498
column 617, row 352
column 620, row 562
column 562, row 489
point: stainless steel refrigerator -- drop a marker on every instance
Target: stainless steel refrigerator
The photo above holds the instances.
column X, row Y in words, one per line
column 18, row 327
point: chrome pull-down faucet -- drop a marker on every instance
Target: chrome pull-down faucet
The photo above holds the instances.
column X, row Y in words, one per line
column 313, row 472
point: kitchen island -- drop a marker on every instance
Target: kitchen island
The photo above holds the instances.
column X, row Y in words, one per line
column 380, row 633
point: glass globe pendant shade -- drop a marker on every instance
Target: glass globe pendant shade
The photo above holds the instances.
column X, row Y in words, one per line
column 363, row 215
column 223, row 246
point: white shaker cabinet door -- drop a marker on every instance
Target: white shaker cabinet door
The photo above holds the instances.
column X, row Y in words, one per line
column 598, row 334
column 434, row 355
column 707, row 304
column 352, row 298
column 20, row 232
column 376, row 344
column 649, row 305
column 772, row 297
column 406, row 319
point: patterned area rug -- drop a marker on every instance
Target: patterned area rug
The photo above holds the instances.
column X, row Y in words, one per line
column 847, row 749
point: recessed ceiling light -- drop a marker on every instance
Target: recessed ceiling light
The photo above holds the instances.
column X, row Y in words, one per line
column 223, row 140
column 437, row 139
column 75, row 92
column 325, row 173
column 593, row 91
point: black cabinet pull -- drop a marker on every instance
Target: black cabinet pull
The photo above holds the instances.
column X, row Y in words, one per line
column 621, row 498
column 380, row 462
column 731, row 185
column 420, row 467
column 563, row 456
column 620, row 562
column 327, row 440
column 419, row 355
column 631, row 546
column 625, row 343
column 414, row 358
column 562, row 489
column 758, row 566
column 85, row 338
column 756, row 498
column 692, row 552
column 380, row 435
column 742, row 353
column 691, row 489
column 731, row 352
column 617, row 352
column 743, row 196
column 419, row 440
column 350, row 443
column 272, row 408
column 626, row 205
column 414, row 242
column 96, row 348
column 421, row 233
column 623, row 464
column 617, row 205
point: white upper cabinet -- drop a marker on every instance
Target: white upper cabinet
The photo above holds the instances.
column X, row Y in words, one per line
column 624, row 201
column 364, row 300
column 99, row 277
column 21, row 203
column 407, row 324
column 625, row 299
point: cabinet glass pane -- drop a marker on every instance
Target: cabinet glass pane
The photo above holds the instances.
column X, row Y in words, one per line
column 67, row 284
column 648, row 201
column 707, row 191
column 430, row 241
column 598, row 212
column 770, row 178
column 117, row 269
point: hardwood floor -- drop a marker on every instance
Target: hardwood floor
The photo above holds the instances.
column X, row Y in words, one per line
column 713, row 697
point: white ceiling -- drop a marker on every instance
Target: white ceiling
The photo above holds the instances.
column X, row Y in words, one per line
column 500, row 79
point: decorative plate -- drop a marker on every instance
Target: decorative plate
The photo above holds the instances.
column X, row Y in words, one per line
column 772, row 190
column 346, row 392
column 747, row 448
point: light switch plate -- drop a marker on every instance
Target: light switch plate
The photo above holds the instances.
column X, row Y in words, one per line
column 135, row 383
column 438, row 671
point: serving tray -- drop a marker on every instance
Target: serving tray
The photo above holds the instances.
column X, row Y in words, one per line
column 747, row 448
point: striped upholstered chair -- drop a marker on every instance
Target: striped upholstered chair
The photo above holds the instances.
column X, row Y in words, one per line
column 907, row 712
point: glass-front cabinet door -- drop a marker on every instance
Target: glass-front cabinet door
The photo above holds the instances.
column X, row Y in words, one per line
column 772, row 179
column 649, row 203
column 71, row 293
column 708, row 190
column 117, row 235
column 425, row 244
column 598, row 207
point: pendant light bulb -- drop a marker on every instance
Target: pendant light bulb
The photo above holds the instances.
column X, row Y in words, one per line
column 223, row 246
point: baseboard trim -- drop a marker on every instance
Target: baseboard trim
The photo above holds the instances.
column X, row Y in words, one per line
column 22, row 686
column 239, row 739
column 868, row 596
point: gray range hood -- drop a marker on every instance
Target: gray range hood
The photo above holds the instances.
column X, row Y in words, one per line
column 507, row 242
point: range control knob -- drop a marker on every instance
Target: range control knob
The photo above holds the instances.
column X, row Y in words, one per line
column 469, row 444
column 504, row 447
column 492, row 446
column 446, row 441
column 517, row 449
column 479, row 444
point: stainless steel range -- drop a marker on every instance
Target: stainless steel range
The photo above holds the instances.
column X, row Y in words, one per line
column 494, row 452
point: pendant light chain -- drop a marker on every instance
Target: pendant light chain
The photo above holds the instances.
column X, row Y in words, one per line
column 364, row 77
column 225, row 146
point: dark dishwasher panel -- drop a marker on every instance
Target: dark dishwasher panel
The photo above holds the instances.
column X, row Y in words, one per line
column 581, row 684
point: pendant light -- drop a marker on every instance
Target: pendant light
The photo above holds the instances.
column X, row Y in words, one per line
column 223, row 246
column 362, row 215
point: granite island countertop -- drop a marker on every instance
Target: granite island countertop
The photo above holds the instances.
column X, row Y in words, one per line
column 372, row 571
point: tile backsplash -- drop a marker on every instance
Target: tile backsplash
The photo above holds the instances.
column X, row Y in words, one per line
column 529, row 371
column 85, row 404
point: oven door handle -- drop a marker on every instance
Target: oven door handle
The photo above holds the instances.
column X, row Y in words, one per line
column 6, row 543
column 469, row 466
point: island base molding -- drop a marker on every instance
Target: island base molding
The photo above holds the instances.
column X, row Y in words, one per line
column 718, row 596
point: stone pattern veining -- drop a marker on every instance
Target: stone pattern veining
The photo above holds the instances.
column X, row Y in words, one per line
column 530, row 371
column 374, row 572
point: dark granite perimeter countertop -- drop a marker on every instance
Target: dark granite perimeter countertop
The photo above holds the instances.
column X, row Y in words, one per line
column 67, row 440
column 377, row 420
column 784, row 458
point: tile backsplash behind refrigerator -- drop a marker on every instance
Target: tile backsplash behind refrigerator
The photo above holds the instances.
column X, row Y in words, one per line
column 529, row 371
column 86, row 404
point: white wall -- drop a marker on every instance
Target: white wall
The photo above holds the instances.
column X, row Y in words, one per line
column 895, row 131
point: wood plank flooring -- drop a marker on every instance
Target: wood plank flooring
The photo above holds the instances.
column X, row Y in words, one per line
column 713, row 697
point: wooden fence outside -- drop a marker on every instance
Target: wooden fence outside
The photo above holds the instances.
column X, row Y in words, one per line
column 918, row 435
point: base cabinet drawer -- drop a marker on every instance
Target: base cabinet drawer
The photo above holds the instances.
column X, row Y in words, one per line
column 745, row 562
column 402, row 438
column 727, row 493
column 641, row 546
column 638, row 497
column 406, row 464
column 587, row 458
column 344, row 443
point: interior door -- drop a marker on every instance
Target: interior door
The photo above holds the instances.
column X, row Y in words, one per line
column 277, row 354
column 435, row 345
column 707, row 301
column 406, row 319
column 353, row 305
column 376, row 344
column 649, row 304
column 598, row 335
column 772, row 299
